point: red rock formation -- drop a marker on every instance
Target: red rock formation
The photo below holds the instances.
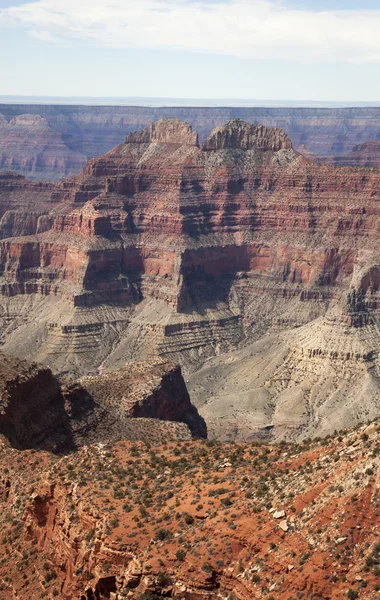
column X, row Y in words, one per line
column 202, row 228
column 24, row 206
column 170, row 131
column 242, row 136
column 179, row 192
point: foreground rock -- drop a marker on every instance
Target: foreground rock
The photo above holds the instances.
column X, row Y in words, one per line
column 193, row 520
column 32, row 412
column 148, row 390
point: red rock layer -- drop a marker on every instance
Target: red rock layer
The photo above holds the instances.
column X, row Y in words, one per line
column 162, row 217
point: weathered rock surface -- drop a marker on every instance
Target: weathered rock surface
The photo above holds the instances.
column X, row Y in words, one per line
column 238, row 135
column 166, row 247
column 148, row 390
column 32, row 410
column 36, row 411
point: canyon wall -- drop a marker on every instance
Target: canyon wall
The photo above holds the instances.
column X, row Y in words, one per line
column 49, row 142
column 170, row 246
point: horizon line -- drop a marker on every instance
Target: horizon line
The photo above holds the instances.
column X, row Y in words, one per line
column 171, row 102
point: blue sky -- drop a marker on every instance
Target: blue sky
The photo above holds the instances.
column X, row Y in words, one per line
column 250, row 49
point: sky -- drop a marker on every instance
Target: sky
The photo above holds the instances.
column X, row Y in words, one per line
column 311, row 50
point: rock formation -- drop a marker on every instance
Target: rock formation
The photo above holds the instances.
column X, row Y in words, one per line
column 32, row 411
column 30, row 145
column 50, row 142
column 365, row 155
column 36, row 411
column 143, row 391
column 164, row 246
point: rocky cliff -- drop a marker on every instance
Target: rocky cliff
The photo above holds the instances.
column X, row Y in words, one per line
column 365, row 155
column 167, row 246
column 30, row 145
column 36, row 411
column 32, row 410
column 142, row 391
column 49, row 142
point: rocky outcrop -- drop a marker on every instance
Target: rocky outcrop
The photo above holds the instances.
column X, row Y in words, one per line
column 153, row 389
column 239, row 135
column 36, row 411
column 168, row 131
column 32, row 411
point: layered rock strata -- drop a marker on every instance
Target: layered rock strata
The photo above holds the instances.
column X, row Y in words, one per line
column 31, row 146
column 167, row 246
column 365, row 155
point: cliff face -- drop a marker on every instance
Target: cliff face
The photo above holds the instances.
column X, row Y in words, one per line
column 32, row 411
column 24, row 205
column 193, row 520
column 153, row 389
column 49, row 142
column 36, row 411
column 238, row 135
column 166, row 247
column 365, row 155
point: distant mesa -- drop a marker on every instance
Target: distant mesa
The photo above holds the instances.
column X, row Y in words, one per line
column 51, row 142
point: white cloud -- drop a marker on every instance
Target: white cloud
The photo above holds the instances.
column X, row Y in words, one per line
column 247, row 28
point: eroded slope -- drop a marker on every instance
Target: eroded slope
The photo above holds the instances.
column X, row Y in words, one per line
column 193, row 519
